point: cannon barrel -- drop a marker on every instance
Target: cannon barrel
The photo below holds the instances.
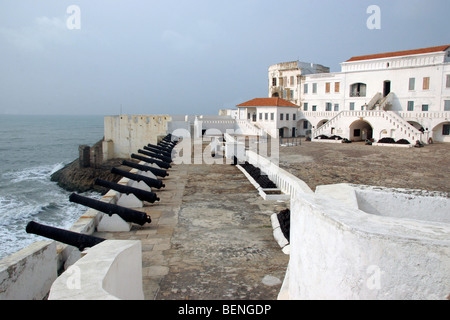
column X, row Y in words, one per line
column 137, row 177
column 166, row 144
column 162, row 148
column 140, row 194
column 158, row 151
column 126, row 214
column 155, row 155
column 157, row 172
column 161, row 164
column 81, row 241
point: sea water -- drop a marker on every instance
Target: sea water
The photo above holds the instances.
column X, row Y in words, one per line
column 31, row 149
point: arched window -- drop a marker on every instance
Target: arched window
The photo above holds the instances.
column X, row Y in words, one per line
column 358, row 90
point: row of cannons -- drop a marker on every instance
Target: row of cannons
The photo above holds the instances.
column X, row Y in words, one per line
column 158, row 159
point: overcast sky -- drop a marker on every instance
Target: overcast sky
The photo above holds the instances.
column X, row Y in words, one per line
column 187, row 56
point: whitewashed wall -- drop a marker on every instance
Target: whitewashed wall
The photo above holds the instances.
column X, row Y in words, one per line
column 125, row 135
column 29, row 273
column 340, row 252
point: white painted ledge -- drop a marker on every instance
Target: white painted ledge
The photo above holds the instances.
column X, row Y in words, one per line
column 111, row 270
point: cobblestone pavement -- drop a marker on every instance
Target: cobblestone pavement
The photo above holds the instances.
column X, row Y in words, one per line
column 210, row 238
column 426, row 168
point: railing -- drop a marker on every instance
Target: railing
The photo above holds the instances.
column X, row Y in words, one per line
column 424, row 115
column 290, row 142
column 374, row 101
column 407, row 131
column 326, row 125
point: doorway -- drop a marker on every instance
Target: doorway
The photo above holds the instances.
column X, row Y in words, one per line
column 386, row 88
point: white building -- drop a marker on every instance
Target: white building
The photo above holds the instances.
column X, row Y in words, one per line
column 403, row 95
column 278, row 117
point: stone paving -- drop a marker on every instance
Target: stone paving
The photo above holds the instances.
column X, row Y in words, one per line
column 210, row 238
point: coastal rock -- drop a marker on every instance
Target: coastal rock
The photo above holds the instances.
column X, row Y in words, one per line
column 72, row 178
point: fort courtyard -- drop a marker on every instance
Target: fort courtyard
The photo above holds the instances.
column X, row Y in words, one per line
column 426, row 168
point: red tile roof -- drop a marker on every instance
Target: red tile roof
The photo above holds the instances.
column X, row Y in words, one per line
column 268, row 102
column 400, row 53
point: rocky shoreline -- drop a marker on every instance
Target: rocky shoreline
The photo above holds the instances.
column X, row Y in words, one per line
column 73, row 178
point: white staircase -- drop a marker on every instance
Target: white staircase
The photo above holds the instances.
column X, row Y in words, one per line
column 390, row 119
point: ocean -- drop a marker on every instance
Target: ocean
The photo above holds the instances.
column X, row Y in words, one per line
column 31, row 149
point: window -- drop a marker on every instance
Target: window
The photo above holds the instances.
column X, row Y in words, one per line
column 281, row 117
column 447, row 105
column 352, row 106
column 287, row 116
column 336, row 107
column 280, row 81
column 292, row 81
column 328, row 106
column 314, row 108
column 448, row 81
column 248, row 116
column 424, row 107
column 446, row 130
column 274, row 82
column 410, row 105
column 272, row 116
column 426, row 83
column 337, row 87
column 284, row 94
column 266, row 116
column 305, row 107
column 294, row 116
column 314, row 88
column 305, row 88
column 358, row 90
column 327, row 87
column 292, row 94
column 412, row 84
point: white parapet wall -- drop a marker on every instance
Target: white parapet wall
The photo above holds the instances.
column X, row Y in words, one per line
column 111, row 270
column 29, row 273
column 339, row 251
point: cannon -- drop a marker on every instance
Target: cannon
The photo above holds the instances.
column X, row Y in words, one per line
column 157, row 172
column 161, row 164
column 137, row 177
column 155, row 155
column 128, row 215
column 167, row 145
column 140, row 194
column 158, row 151
column 79, row 240
column 162, row 148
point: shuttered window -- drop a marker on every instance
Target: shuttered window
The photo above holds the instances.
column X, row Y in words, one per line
column 426, row 83
column 337, row 87
column 448, row 81
column 327, row 87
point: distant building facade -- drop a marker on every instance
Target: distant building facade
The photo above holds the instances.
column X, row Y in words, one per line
column 276, row 116
column 402, row 95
